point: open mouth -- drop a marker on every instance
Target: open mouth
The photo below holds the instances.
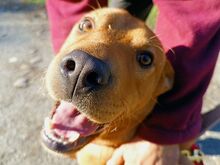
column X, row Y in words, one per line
column 67, row 129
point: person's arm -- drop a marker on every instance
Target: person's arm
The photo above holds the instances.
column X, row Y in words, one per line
column 190, row 33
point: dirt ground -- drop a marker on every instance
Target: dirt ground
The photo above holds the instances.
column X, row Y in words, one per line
column 25, row 52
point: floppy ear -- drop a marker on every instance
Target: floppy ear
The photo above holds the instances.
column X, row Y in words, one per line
column 166, row 80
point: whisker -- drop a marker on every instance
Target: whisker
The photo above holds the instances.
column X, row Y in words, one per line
column 157, row 35
column 92, row 7
column 172, row 51
column 154, row 36
column 99, row 6
column 154, row 99
column 158, row 47
column 109, row 27
column 119, row 121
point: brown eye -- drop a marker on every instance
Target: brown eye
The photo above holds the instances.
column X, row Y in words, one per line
column 145, row 59
column 86, row 25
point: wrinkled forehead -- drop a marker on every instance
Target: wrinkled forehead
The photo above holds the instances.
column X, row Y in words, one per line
column 127, row 28
column 117, row 19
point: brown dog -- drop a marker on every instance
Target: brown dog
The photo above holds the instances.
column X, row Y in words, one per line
column 106, row 80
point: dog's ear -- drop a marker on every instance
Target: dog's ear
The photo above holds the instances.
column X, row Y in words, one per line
column 166, row 80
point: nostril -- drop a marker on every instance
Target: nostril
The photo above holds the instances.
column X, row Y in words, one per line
column 94, row 79
column 70, row 65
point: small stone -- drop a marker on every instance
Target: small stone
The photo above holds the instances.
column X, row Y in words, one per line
column 25, row 73
column 35, row 60
column 3, row 35
column 33, row 51
column 24, row 67
column 41, row 15
column 13, row 60
column 21, row 82
column 24, row 137
column 12, row 150
column 39, row 33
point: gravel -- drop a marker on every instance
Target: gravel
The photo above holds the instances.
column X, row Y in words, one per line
column 21, row 82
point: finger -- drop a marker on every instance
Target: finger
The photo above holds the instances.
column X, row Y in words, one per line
column 184, row 161
column 117, row 158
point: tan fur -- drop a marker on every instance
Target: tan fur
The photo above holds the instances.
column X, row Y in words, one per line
column 116, row 38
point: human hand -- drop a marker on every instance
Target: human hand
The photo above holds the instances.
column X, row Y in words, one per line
column 142, row 152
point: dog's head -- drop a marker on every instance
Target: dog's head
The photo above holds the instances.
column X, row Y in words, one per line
column 106, row 79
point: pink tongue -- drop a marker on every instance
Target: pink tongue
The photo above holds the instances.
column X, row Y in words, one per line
column 68, row 121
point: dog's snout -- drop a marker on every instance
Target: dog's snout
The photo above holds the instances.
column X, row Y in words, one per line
column 68, row 65
column 81, row 70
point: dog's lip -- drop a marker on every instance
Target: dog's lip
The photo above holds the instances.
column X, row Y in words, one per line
column 59, row 145
column 63, row 139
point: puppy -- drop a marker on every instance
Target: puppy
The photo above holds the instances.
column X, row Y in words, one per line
column 105, row 80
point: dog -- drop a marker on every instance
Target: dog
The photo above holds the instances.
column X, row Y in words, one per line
column 105, row 81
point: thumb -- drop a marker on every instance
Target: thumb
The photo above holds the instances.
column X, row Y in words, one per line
column 117, row 158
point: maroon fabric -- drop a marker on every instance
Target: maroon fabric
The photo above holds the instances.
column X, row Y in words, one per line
column 63, row 14
column 192, row 30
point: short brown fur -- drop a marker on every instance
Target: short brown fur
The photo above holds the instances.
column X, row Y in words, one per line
column 116, row 38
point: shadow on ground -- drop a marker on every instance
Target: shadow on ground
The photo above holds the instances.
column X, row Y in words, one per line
column 210, row 141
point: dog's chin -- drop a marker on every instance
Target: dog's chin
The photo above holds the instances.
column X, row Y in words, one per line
column 68, row 130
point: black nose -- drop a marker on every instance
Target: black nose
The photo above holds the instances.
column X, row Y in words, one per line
column 84, row 72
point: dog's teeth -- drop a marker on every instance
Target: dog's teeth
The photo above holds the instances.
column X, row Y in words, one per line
column 50, row 135
column 65, row 142
column 73, row 136
column 47, row 123
column 53, row 137
column 62, row 137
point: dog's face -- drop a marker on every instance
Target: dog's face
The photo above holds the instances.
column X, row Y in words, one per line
column 108, row 74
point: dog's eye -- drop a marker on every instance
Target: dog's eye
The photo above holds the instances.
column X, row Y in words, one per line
column 86, row 25
column 145, row 59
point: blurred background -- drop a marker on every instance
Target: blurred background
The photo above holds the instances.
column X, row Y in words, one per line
column 25, row 52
